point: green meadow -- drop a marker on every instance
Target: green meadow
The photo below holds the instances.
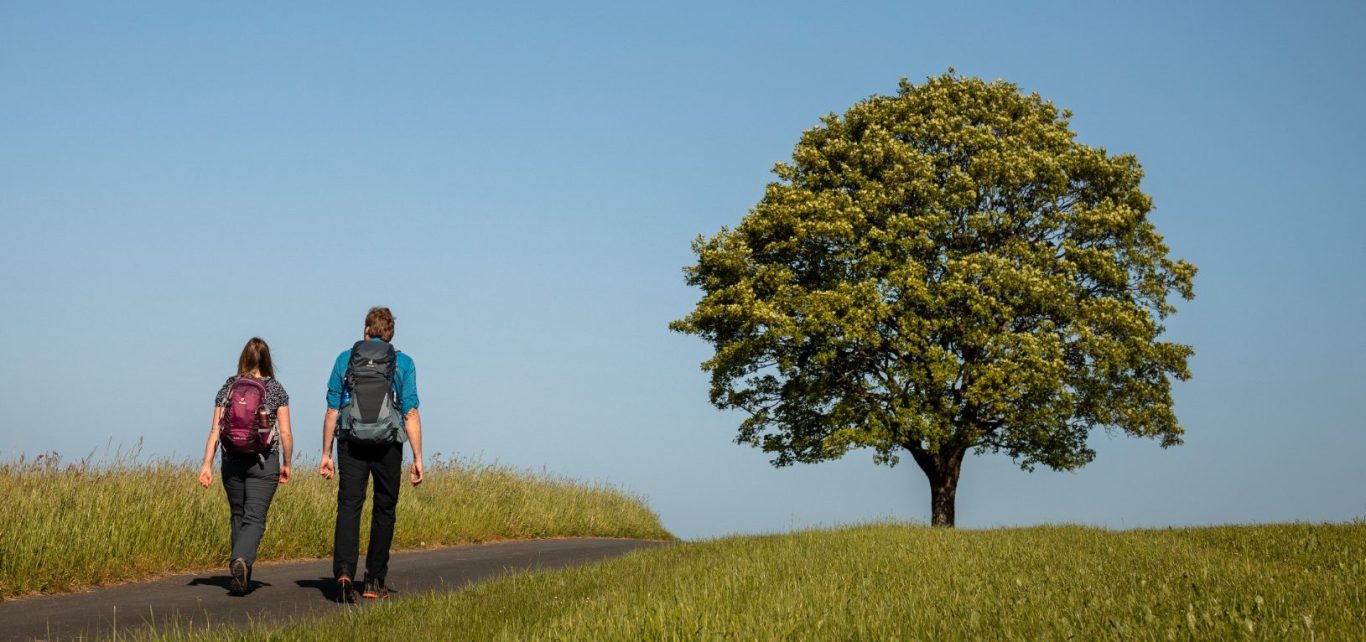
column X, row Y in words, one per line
column 85, row 524
column 896, row 582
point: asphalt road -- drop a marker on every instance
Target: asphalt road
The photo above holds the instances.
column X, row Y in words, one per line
column 281, row 590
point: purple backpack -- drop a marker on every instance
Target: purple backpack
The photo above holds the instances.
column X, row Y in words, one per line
column 245, row 426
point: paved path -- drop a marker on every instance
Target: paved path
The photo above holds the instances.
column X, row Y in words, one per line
column 280, row 590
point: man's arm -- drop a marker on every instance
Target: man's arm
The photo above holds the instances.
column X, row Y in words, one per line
column 335, row 383
column 412, row 419
column 326, row 468
column 412, row 424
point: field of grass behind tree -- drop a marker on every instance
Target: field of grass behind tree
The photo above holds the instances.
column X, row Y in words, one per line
column 892, row 582
column 85, row 524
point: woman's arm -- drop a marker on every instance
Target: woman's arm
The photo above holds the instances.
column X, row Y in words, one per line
column 286, row 442
column 206, row 470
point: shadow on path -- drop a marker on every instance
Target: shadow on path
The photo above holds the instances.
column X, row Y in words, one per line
column 225, row 582
column 324, row 585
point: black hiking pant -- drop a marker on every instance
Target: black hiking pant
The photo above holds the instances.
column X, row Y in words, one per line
column 250, row 482
column 356, row 464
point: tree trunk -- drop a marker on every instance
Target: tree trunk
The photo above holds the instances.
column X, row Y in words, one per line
column 942, row 470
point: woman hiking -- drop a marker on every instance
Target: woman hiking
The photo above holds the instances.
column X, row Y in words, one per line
column 251, row 423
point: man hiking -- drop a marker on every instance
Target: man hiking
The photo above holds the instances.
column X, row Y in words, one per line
column 372, row 410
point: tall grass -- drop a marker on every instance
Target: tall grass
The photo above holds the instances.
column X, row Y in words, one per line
column 88, row 523
column 890, row 582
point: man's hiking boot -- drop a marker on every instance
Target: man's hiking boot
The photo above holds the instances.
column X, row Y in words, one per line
column 375, row 589
column 241, row 577
column 346, row 590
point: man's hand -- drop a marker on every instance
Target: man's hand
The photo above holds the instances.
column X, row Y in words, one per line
column 325, row 469
column 415, row 475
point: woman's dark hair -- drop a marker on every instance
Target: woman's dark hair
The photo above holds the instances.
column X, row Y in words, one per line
column 256, row 356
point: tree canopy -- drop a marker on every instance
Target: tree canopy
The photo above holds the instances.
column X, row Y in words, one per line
column 940, row 271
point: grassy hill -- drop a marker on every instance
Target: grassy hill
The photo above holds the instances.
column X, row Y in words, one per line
column 82, row 525
column 892, row 582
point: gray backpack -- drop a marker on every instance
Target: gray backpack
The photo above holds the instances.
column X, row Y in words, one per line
column 371, row 414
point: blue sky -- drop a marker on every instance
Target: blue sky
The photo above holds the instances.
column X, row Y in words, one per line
column 520, row 183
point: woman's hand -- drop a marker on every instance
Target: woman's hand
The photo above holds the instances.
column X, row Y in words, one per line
column 210, row 449
column 284, row 474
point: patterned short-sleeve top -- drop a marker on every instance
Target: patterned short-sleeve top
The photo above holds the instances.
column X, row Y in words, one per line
column 275, row 397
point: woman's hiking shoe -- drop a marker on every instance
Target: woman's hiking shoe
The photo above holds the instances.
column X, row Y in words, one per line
column 375, row 589
column 346, row 590
column 240, row 577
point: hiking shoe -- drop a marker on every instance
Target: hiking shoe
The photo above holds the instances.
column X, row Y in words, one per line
column 375, row 589
column 240, row 577
column 346, row 590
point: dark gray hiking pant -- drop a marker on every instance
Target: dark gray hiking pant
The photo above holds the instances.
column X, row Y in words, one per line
column 356, row 465
column 250, row 483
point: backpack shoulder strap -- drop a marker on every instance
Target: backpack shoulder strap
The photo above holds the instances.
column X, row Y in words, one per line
column 392, row 353
column 227, row 391
column 350, row 358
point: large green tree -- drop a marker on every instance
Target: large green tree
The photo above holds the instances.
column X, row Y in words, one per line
column 943, row 271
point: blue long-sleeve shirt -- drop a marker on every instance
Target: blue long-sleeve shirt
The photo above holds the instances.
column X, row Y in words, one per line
column 405, row 381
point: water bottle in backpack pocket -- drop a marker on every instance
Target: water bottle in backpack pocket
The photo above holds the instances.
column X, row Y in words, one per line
column 242, row 429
